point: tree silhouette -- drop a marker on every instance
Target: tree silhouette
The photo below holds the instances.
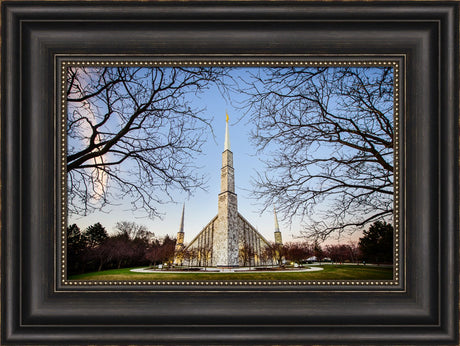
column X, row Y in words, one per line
column 133, row 231
column 154, row 253
column 297, row 252
column 76, row 246
column 204, row 254
column 268, row 255
column 377, row 243
column 95, row 235
column 161, row 252
column 168, row 247
column 191, row 256
column 278, row 251
column 328, row 135
column 246, row 253
column 318, row 251
column 132, row 133
column 342, row 252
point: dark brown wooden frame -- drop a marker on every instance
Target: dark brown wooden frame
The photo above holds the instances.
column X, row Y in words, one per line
column 36, row 309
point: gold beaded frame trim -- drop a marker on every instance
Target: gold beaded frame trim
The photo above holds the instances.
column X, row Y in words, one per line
column 396, row 62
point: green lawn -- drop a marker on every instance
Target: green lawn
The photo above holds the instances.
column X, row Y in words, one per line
column 330, row 272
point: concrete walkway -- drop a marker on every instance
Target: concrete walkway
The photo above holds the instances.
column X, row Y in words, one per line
column 223, row 270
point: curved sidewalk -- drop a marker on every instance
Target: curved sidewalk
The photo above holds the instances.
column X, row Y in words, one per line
column 223, row 270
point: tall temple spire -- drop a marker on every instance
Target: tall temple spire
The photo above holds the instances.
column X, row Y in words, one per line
column 182, row 220
column 227, row 173
column 278, row 239
column 227, row 137
column 219, row 242
column 180, row 235
column 225, row 243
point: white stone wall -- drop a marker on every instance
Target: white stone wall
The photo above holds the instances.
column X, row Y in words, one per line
column 220, row 241
column 213, row 236
column 227, row 158
column 225, row 246
column 249, row 235
column 201, row 243
column 180, row 241
column 278, row 239
column 227, row 176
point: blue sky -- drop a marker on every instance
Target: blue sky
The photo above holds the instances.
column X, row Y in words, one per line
column 202, row 206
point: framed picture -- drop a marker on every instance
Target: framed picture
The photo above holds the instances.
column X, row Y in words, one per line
column 85, row 82
column 136, row 133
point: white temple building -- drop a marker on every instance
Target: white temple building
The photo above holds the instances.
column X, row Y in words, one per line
column 228, row 240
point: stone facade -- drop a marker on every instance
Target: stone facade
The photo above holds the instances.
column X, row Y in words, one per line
column 248, row 235
column 225, row 244
column 222, row 242
column 180, row 241
column 278, row 239
column 180, row 234
column 212, row 252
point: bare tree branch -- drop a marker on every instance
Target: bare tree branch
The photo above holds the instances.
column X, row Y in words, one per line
column 133, row 132
column 326, row 138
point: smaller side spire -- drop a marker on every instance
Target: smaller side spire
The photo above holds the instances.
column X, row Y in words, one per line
column 182, row 220
column 277, row 226
column 227, row 137
column 278, row 238
column 180, row 234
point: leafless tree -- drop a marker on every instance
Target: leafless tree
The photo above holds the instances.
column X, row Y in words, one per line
column 180, row 255
column 343, row 252
column 168, row 246
column 268, row 255
column 298, row 251
column 246, row 254
column 132, row 132
column 134, row 231
column 119, row 249
column 354, row 251
column 204, row 254
column 327, row 135
column 154, row 254
column 279, row 252
column 191, row 255
column 161, row 252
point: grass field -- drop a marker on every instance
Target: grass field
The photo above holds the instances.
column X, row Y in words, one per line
column 330, row 272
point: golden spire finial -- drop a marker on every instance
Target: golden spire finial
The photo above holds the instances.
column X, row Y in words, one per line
column 227, row 137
